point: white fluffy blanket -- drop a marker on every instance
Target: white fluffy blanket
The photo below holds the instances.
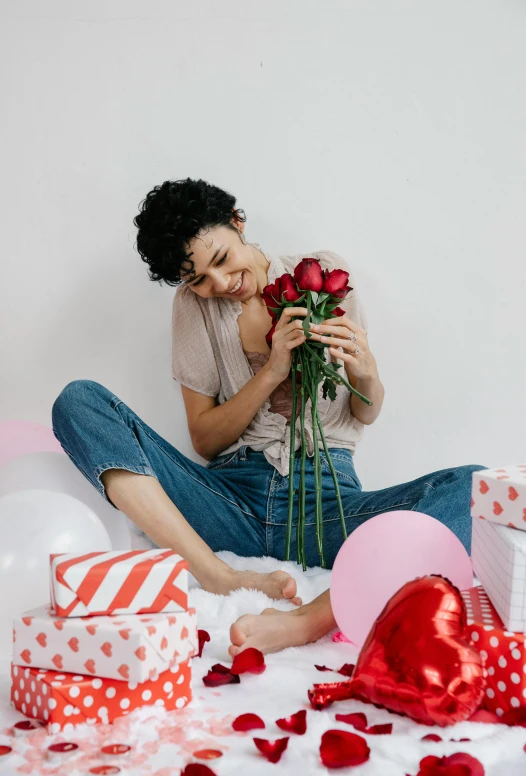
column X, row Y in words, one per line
column 163, row 743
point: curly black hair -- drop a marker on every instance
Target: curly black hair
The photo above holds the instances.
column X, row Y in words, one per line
column 171, row 215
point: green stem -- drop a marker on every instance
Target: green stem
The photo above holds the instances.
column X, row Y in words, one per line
column 334, row 477
column 312, row 382
column 292, row 455
column 300, row 531
column 335, row 376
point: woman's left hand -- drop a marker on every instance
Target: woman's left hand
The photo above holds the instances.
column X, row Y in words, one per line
column 358, row 360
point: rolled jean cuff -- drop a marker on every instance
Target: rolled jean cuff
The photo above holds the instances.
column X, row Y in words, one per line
column 142, row 469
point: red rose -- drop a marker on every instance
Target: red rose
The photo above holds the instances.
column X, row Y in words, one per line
column 308, row 275
column 269, row 334
column 283, row 285
column 335, row 282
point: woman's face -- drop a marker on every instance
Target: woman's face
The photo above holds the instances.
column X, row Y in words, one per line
column 220, row 261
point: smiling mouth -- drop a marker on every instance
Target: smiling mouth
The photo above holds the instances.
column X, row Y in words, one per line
column 239, row 285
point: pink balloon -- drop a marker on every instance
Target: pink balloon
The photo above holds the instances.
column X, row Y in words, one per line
column 383, row 554
column 19, row 437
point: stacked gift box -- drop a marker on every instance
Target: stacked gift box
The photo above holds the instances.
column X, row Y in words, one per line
column 497, row 610
column 117, row 635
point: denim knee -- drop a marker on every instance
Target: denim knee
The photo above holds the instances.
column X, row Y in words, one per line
column 70, row 400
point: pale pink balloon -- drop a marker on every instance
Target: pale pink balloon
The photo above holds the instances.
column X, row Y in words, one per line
column 383, row 554
column 19, row 437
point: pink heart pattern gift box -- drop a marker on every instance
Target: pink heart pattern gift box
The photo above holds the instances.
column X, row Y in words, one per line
column 63, row 700
column 119, row 582
column 130, row 647
column 499, row 495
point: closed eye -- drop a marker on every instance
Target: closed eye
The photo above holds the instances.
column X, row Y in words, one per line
column 221, row 261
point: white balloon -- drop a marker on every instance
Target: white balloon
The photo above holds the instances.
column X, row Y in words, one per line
column 55, row 472
column 33, row 525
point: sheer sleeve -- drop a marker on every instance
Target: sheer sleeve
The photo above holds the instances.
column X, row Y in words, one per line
column 193, row 360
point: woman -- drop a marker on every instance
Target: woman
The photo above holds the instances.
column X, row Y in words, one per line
column 237, row 395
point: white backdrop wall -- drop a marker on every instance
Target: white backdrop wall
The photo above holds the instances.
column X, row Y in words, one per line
column 390, row 132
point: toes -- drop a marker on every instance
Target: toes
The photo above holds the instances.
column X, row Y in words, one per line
column 296, row 601
column 237, row 634
column 289, row 589
column 233, row 651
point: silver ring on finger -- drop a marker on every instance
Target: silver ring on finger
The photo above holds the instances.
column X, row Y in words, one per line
column 352, row 336
column 356, row 352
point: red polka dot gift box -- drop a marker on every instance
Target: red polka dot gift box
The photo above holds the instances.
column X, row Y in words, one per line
column 63, row 700
column 130, row 647
column 119, row 582
column 503, row 652
column 499, row 495
column 498, row 554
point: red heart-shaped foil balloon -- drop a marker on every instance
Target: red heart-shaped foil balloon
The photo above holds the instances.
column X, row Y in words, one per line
column 417, row 659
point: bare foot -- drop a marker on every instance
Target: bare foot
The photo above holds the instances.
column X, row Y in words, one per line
column 277, row 585
column 269, row 633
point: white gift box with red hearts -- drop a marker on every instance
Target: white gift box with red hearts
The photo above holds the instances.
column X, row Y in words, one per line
column 131, row 647
column 499, row 495
column 498, row 554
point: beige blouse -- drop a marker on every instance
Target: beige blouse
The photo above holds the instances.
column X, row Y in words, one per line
column 208, row 357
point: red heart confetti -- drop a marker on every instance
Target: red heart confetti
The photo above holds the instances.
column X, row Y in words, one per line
column 208, row 754
column 203, row 637
column 459, row 764
column 272, row 750
column 247, row 722
column 339, row 749
column 296, row 723
column 116, row 749
column 250, row 660
column 197, row 769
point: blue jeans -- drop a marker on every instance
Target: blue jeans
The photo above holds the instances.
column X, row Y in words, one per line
column 238, row 501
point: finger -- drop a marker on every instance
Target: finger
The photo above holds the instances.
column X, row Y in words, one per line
column 347, row 344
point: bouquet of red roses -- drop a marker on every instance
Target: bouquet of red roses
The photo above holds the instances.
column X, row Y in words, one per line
column 320, row 291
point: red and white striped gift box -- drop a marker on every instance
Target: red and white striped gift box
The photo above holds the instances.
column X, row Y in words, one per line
column 499, row 495
column 119, row 582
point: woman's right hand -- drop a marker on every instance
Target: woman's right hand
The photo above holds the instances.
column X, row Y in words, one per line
column 287, row 335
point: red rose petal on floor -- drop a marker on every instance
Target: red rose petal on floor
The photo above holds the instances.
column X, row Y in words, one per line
column 323, row 668
column 248, row 722
column 481, row 715
column 272, row 749
column 358, row 720
column 4, row 749
column 431, row 737
column 196, row 769
column 208, row 754
column 203, row 637
column 117, row 749
column 217, row 668
column 459, row 740
column 219, row 678
column 459, row 764
column 296, row 723
column 347, row 669
column 515, row 717
column 105, row 770
column 380, row 730
column 250, row 659
column 339, row 749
